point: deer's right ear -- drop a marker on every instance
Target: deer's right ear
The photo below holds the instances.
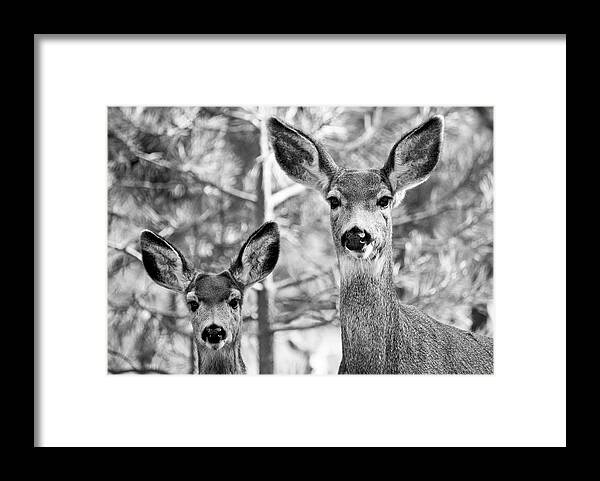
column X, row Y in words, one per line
column 300, row 157
column 164, row 263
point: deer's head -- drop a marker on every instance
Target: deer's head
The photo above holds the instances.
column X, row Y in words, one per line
column 214, row 299
column 361, row 201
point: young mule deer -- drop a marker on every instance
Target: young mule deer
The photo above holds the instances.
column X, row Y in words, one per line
column 380, row 335
column 214, row 300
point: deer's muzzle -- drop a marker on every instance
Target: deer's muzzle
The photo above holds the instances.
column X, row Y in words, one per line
column 356, row 239
column 213, row 335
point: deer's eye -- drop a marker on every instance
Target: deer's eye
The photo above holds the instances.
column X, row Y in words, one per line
column 234, row 303
column 334, row 202
column 193, row 305
column 384, row 202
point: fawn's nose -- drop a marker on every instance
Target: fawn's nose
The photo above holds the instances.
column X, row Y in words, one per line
column 356, row 239
column 213, row 334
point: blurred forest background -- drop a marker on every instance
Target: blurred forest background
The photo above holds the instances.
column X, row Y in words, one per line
column 204, row 178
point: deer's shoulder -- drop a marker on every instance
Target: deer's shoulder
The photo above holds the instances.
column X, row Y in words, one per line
column 443, row 348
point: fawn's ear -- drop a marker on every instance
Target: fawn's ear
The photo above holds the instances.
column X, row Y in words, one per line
column 258, row 256
column 415, row 155
column 164, row 263
column 301, row 157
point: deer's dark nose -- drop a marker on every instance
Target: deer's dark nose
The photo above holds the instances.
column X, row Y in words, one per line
column 213, row 334
column 356, row 239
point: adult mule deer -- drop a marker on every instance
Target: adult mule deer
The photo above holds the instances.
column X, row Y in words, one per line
column 380, row 335
column 214, row 300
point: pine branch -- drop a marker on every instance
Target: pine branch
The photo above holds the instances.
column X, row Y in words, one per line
column 305, row 309
column 303, row 327
column 295, row 282
column 284, row 194
column 133, row 368
column 127, row 250
column 157, row 160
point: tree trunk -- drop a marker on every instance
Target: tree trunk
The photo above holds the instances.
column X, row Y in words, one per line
column 264, row 212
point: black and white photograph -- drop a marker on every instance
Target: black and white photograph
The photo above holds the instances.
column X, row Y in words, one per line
column 299, row 240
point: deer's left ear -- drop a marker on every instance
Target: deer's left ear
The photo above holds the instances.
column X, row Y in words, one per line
column 258, row 256
column 415, row 155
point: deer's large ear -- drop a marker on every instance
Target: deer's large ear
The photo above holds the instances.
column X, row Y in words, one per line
column 300, row 157
column 415, row 155
column 164, row 263
column 258, row 256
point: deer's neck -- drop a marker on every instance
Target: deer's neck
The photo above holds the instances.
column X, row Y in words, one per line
column 368, row 313
column 227, row 360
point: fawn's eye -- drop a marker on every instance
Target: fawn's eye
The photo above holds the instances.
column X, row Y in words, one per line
column 234, row 303
column 193, row 305
column 384, row 202
column 334, row 202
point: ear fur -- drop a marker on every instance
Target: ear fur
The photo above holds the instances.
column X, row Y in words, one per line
column 164, row 263
column 300, row 156
column 258, row 256
column 415, row 155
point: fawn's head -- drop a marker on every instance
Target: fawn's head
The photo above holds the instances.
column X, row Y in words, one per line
column 214, row 300
column 361, row 201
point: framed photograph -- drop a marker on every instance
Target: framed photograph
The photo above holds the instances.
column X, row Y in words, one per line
column 362, row 232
